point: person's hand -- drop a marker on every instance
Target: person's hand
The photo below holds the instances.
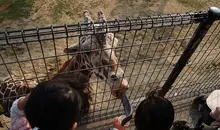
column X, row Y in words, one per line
column 21, row 123
column 22, row 102
column 199, row 128
column 117, row 124
column 180, row 125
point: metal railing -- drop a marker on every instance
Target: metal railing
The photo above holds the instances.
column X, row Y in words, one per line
column 177, row 52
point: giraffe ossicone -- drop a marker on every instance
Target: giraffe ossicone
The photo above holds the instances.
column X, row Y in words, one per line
column 12, row 88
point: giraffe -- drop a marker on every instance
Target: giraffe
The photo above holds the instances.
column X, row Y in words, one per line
column 10, row 90
column 90, row 62
column 103, row 62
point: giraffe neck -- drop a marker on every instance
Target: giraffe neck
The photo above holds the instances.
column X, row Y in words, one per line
column 11, row 90
column 79, row 62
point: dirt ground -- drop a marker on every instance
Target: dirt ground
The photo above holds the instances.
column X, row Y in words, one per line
column 60, row 12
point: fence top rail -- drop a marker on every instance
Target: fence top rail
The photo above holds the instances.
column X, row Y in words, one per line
column 74, row 30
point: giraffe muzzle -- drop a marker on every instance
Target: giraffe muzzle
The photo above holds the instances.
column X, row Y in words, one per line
column 119, row 87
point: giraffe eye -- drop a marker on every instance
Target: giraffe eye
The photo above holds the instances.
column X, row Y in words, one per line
column 105, row 62
column 114, row 77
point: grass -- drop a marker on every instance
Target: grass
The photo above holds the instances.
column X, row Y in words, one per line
column 197, row 4
column 58, row 9
column 18, row 9
column 4, row 2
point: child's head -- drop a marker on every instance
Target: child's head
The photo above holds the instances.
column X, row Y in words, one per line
column 57, row 104
column 154, row 113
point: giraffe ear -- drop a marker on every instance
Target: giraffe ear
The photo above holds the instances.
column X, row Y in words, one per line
column 71, row 49
column 85, row 46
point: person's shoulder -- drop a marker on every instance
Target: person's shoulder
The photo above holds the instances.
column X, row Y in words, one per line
column 15, row 111
column 213, row 100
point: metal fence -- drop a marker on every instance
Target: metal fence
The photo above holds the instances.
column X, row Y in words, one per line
column 153, row 51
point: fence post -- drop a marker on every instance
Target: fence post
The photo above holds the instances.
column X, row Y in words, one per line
column 202, row 29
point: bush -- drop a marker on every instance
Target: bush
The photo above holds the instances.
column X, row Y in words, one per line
column 17, row 9
column 6, row 2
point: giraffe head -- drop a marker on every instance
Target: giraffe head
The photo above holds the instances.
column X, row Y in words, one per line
column 100, row 56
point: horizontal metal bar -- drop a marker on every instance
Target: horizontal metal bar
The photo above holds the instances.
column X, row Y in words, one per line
column 91, row 82
column 193, row 17
column 110, row 26
column 121, row 63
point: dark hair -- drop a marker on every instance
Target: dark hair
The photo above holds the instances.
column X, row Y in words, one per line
column 154, row 113
column 57, row 104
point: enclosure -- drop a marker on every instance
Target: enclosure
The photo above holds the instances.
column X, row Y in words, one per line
column 148, row 50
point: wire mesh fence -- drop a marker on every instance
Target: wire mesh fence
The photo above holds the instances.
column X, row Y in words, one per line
column 147, row 51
